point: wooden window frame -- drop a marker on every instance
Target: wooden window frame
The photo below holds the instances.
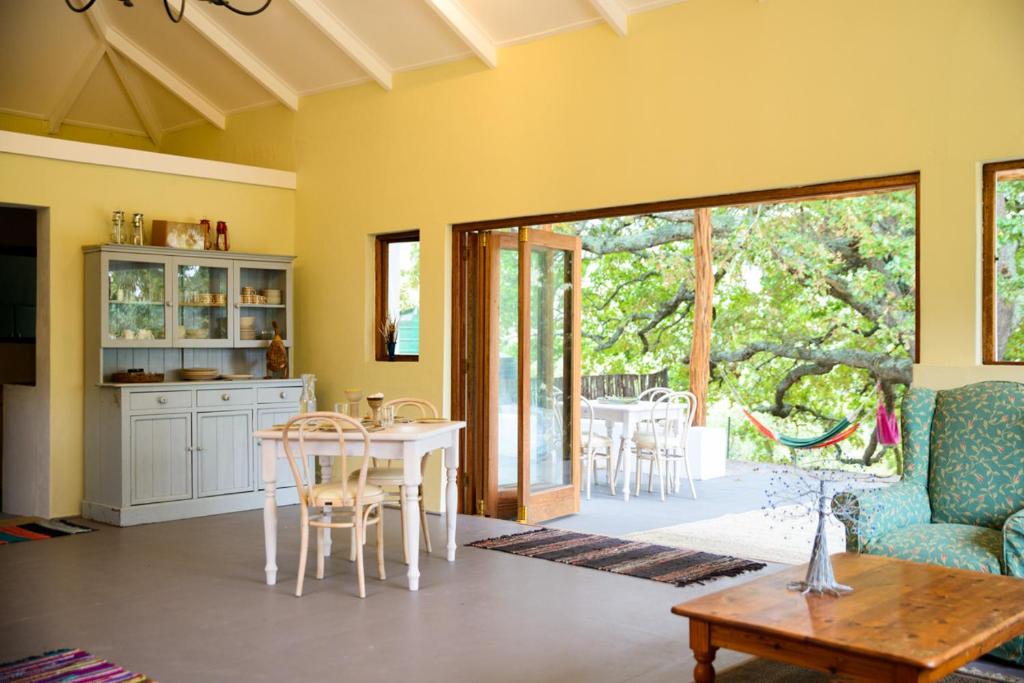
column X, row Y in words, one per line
column 380, row 310
column 463, row 241
column 991, row 174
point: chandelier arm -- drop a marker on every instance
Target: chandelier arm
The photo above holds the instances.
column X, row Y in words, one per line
column 170, row 14
column 246, row 13
column 79, row 9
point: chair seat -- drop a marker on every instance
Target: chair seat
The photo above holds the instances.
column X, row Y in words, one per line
column 333, row 494
column 645, row 440
column 382, row 476
column 598, row 440
column 960, row 546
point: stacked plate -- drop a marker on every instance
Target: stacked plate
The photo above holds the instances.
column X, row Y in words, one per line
column 199, row 374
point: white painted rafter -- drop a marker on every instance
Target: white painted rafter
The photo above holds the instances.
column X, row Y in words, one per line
column 154, row 67
column 466, row 27
column 342, row 36
column 143, row 107
column 74, row 88
column 200, row 20
column 614, row 14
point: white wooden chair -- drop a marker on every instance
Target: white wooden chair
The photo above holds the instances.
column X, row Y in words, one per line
column 594, row 446
column 662, row 439
column 653, row 394
column 387, row 477
column 319, row 504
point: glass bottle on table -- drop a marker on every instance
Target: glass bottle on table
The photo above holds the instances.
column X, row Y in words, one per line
column 307, row 399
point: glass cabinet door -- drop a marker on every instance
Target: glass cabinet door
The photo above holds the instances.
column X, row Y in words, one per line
column 135, row 302
column 202, row 296
column 263, row 298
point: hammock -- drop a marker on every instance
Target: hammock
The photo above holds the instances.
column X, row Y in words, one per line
column 838, row 432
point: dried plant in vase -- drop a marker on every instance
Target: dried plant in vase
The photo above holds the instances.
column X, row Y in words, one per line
column 389, row 333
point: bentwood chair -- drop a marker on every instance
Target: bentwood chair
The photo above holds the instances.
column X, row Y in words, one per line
column 595, row 446
column 653, row 394
column 391, row 477
column 357, row 503
column 661, row 441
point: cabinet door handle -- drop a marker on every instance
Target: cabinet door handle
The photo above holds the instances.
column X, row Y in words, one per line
column 167, row 304
column 162, row 400
column 225, row 397
column 198, row 449
column 283, row 395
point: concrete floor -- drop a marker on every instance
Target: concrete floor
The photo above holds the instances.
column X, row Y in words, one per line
column 185, row 601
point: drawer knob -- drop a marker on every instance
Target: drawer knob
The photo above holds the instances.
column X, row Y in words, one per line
column 162, row 400
column 283, row 395
column 225, row 397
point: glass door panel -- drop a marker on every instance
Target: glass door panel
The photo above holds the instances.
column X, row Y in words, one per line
column 201, row 310
column 135, row 311
column 262, row 300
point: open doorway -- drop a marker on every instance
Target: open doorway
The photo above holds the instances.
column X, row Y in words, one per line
column 793, row 304
column 24, row 361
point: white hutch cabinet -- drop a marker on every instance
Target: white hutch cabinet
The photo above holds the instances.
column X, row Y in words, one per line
column 175, row 449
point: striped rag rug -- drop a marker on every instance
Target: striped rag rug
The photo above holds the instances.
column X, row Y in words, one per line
column 620, row 556
column 19, row 529
column 68, row 666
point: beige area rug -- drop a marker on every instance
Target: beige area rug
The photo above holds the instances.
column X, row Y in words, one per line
column 767, row 671
column 783, row 535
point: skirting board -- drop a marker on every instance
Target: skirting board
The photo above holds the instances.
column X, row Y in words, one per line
column 184, row 509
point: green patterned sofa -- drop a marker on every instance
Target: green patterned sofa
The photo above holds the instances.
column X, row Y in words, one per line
column 961, row 500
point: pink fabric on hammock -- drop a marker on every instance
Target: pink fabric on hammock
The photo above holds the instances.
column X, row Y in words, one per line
column 887, row 426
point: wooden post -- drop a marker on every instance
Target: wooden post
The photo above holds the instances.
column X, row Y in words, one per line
column 704, row 285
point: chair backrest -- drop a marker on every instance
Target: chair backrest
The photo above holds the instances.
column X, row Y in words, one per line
column 588, row 417
column 301, row 427
column 976, row 454
column 653, row 394
column 669, row 428
column 425, row 408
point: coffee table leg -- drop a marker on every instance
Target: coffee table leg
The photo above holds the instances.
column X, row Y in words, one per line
column 703, row 652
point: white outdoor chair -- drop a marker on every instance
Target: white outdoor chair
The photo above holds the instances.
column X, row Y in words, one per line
column 653, row 394
column 661, row 442
column 594, row 446
column 387, row 477
column 320, row 503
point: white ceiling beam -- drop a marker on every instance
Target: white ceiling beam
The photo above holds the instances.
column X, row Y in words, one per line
column 614, row 14
column 200, row 20
column 76, row 86
column 344, row 38
column 460, row 21
column 152, row 66
column 143, row 107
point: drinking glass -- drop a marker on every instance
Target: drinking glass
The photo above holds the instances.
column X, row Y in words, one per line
column 341, row 408
column 389, row 416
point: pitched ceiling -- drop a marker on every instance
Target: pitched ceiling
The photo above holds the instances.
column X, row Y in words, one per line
column 133, row 70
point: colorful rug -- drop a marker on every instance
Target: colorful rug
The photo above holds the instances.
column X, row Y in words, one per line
column 18, row 529
column 677, row 566
column 767, row 671
column 68, row 666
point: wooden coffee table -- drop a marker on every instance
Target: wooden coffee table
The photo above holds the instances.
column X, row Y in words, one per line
column 904, row 621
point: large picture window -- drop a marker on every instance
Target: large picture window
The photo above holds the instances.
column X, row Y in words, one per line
column 1003, row 263
column 398, row 294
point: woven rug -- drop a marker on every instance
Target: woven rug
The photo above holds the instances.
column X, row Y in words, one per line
column 767, row 671
column 783, row 535
column 631, row 558
column 19, row 529
column 68, row 666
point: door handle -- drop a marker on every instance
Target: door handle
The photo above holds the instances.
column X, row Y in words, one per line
column 225, row 397
column 162, row 400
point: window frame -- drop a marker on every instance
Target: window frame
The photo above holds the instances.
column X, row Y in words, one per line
column 991, row 174
column 382, row 244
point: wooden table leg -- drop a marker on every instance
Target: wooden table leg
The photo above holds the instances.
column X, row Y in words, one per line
column 703, row 652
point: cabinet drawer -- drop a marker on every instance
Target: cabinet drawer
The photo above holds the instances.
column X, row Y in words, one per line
column 280, row 394
column 158, row 400
column 207, row 398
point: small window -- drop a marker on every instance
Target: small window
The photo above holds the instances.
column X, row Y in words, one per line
column 1003, row 263
column 398, row 294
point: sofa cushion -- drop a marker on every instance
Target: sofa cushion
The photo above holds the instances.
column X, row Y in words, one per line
column 959, row 546
column 976, row 457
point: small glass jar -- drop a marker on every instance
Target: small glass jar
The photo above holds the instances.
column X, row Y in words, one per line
column 117, row 235
column 137, row 229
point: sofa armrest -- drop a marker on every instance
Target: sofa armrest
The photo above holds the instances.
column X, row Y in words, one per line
column 869, row 514
column 1013, row 544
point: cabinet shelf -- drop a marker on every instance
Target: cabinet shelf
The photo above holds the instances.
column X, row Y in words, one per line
column 137, row 303
column 263, row 305
column 193, row 305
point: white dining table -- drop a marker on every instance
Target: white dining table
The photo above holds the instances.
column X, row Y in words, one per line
column 408, row 442
column 627, row 416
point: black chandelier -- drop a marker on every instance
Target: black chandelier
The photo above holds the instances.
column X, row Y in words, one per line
column 181, row 12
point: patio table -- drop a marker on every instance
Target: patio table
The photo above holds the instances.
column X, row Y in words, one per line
column 626, row 416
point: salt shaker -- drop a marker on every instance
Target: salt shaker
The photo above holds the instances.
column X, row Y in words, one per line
column 137, row 229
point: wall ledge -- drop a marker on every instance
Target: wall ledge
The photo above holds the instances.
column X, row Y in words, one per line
column 121, row 157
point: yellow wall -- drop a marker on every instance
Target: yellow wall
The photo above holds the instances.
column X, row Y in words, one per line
column 702, row 97
column 80, row 198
